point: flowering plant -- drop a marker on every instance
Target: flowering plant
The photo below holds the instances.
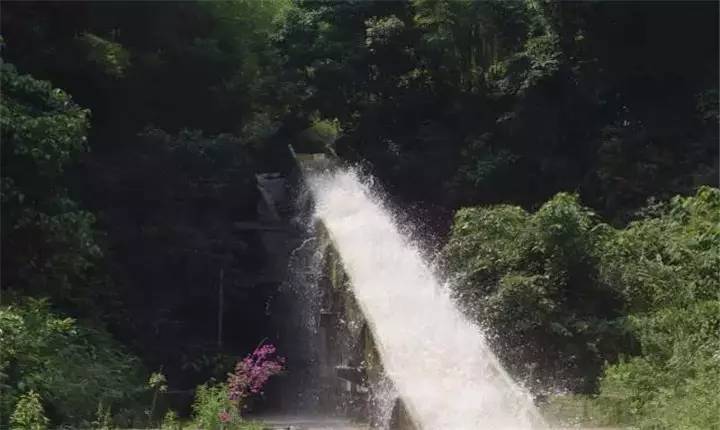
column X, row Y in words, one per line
column 250, row 375
column 252, row 372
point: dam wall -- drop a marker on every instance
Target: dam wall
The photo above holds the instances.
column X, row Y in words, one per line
column 351, row 379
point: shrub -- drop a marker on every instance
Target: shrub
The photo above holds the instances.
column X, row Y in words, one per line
column 48, row 240
column 157, row 384
column 109, row 56
column 213, row 409
column 219, row 406
column 666, row 267
column 29, row 413
column 533, row 281
column 72, row 367
column 564, row 292
column 103, row 418
column 170, row 421
column 320, row 136
column 253, row 372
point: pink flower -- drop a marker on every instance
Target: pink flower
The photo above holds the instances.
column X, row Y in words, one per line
column 253, row 372
column 224, row 417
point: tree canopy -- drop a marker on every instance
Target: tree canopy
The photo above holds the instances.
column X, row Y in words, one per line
column 563, row 154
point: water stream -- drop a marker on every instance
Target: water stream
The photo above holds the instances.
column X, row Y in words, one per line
column 437, row 359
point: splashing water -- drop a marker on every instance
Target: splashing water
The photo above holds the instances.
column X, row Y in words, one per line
column 438, row 360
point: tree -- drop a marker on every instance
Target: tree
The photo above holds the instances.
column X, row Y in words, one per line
column 72, row 367
column 569, row 302
column 533, row 281
column 48, row 240
column 665, row 265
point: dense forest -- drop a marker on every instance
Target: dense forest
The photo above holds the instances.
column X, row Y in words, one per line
column 563, row 155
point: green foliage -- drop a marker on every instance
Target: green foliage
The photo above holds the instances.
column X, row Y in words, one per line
column 533, row 280
column 111, row 57
column 157, row 382
column 157, row 385
column 485, row 167
column 49, row 241
column 103, row 418
column 198, row 153
column 543, row 53
column 241, row 42
column 669, row 258
column 634, row 159
column 451, row 103
column 707, row 104
column 42, row 128
column 210, row 402
column 666, row 267
column 549, row 83
column 29, row 413
column 170, row 421
column 673, row 383
column 72, row 367
column 560, row 290
column 320, row 136
column 383, row 30
column 464, row 38
column 213, row 410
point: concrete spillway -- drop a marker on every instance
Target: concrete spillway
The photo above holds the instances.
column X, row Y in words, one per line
column 437, row 362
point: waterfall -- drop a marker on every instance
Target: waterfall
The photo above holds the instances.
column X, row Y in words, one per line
column 437, row 359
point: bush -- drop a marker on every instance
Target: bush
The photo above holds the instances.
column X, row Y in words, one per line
column 565, row 293
column 533, row 281
column 213, row 409
column 103, row 418
column 29, row 413
column 320, row 136
column 72, row 367
column 666, row 267
column 48, row 239
column 219, row 406
column 108, row 56
column 170, row 421
column 673, row 384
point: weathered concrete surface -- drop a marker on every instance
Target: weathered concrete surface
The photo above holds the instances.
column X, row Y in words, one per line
column 289, row 422
column 353, row 374
column 309, row 423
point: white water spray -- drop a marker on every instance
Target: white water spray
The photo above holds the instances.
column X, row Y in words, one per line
column 438, row 360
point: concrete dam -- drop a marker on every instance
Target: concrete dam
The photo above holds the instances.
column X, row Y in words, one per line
column 374, row 332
